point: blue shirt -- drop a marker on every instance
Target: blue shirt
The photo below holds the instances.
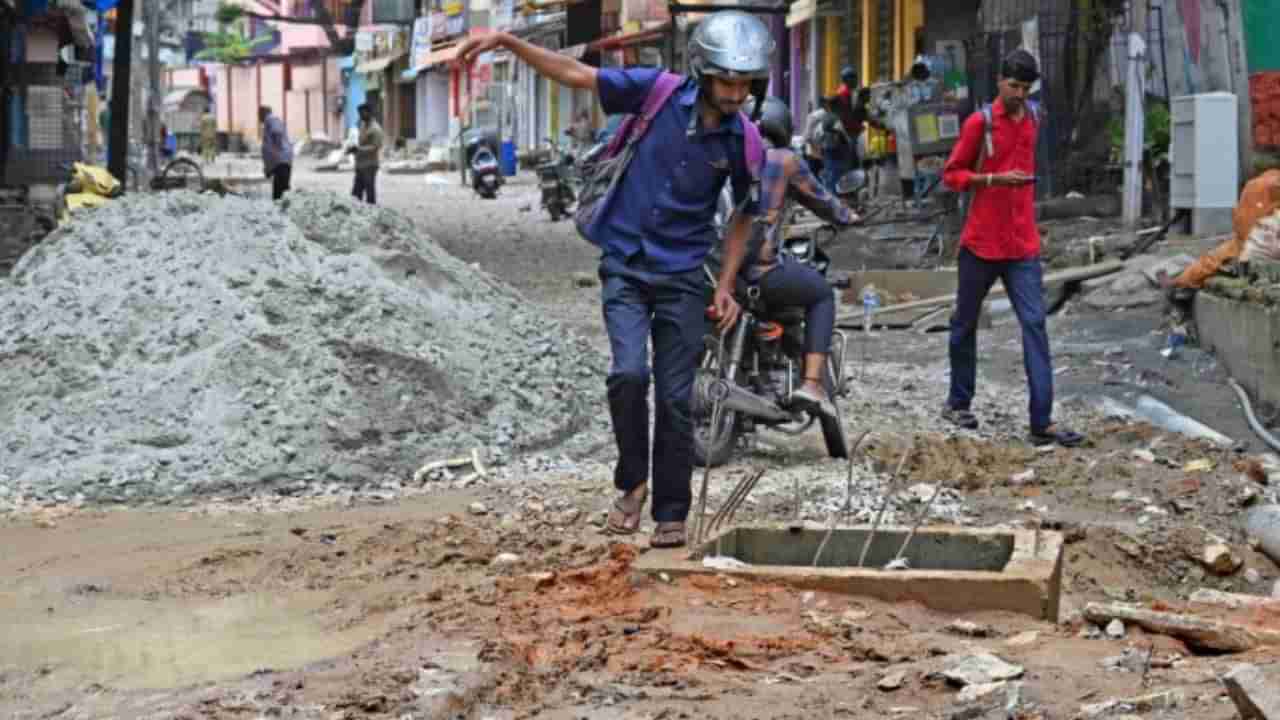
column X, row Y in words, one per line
column 276, row 148
column 664, row 206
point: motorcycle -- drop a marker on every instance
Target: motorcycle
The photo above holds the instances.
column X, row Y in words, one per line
column 752, row 368
column 554, row 178
column 480, row 148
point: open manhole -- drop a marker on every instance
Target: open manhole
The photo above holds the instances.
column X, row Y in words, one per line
column 951, row 569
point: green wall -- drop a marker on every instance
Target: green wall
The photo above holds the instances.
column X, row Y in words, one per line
column 1261, row 27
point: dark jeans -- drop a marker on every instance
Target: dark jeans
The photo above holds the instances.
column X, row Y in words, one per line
column 835, row 163
column 280, row 181
column 1023, row 281
column 796, row 285
column 364, row 187
column 640, row 304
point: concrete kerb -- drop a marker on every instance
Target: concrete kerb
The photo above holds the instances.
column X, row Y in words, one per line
column 1029, row 582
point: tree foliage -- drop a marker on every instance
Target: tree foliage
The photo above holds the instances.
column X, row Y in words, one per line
column 229, row 46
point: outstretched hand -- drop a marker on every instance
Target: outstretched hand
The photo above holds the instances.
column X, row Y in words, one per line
column 474, row 46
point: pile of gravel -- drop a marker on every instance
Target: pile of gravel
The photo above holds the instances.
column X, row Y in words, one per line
column 178, row 344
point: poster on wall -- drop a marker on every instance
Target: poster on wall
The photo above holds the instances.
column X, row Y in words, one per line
column 503, row 14
column 420, row 48
column 439, row 27
column 455, row 12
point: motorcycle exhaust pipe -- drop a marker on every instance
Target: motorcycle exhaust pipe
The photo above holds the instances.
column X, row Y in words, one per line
column 745, row 401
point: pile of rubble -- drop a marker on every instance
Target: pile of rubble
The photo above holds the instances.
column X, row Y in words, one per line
column 178, row 344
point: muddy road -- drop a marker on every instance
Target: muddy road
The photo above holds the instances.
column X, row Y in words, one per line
column 499, row 597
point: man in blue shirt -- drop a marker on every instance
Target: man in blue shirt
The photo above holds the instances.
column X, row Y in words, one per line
column 654, row 234
column 277, row 152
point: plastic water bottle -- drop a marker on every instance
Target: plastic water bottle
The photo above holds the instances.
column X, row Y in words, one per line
column 870, row 301
column 1177, row 338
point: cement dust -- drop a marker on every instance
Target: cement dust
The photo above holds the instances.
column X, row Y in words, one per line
column 129, row 643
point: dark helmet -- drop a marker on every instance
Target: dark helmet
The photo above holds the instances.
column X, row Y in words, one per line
column 849, row 76
column 775, row 122
column 732, row 44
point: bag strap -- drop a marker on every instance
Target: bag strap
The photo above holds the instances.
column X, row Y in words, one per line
column 753, row 146
column 635, row 125
column 988, row 138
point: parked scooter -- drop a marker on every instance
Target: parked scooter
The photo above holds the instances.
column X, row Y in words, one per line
column 486, row 176
column 480, row 152
column 555, row 179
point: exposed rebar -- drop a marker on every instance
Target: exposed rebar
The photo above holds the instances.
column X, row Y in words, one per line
column 919, row 519
column 1267, row 437
column 893, row 481
column 848, row 500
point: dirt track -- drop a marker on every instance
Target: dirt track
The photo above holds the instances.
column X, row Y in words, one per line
column 334, row 608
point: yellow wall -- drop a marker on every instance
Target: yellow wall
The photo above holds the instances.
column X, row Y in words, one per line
column 870, row 40
column 553, row 97
column 830, row 79
column 908, row 15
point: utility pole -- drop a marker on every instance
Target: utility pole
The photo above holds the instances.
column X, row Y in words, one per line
column 118, row 143
column 153, row 87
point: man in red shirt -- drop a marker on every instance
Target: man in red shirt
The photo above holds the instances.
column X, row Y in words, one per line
column 1001, row 240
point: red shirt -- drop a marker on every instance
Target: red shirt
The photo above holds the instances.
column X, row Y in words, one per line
column 1002, row 219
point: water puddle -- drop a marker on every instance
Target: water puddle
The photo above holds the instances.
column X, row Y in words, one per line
column 135, row 644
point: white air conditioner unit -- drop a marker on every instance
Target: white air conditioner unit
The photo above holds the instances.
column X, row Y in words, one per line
column 1205, row 147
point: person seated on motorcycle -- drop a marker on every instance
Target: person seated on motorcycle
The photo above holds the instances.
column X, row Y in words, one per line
column 786, row 176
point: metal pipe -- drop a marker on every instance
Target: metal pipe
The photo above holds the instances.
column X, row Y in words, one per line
column 862, row 559
column 1262, row 432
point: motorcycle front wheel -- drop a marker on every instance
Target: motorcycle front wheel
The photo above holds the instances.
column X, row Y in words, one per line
column 711, row 448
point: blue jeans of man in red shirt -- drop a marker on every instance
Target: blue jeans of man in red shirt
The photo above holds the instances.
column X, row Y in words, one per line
column 1001, row 240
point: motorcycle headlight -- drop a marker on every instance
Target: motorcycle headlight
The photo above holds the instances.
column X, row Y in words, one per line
column 798, row 248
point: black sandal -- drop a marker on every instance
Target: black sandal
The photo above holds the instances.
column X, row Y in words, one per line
column 960, row 418
column 1053, row 435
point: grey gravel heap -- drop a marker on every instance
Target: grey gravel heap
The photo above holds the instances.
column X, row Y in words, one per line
column 178, row 344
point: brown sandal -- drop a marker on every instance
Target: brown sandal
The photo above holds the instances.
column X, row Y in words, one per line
column 627, row 512
column 668, row 535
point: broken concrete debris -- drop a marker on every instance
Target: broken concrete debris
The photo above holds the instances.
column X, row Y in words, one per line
column 892, row 681
column 1256, row 697
column 1166, row 700
column 1218, row 558
column 980, row 692
column 979, row 668
column 1197, row 632
column 969, row 629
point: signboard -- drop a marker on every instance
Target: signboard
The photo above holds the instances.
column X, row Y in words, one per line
column 455, row 12
column 421, row 46
column 503, row 14
column 439, row 28
column 393, row 12
column 364, row 41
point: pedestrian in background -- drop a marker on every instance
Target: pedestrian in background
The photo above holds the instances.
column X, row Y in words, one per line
column 208, row 136
column 368, row 152
column 277, row 152
column 1001, row 241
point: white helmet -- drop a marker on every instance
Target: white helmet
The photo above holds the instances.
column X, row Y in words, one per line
column 732, row 44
